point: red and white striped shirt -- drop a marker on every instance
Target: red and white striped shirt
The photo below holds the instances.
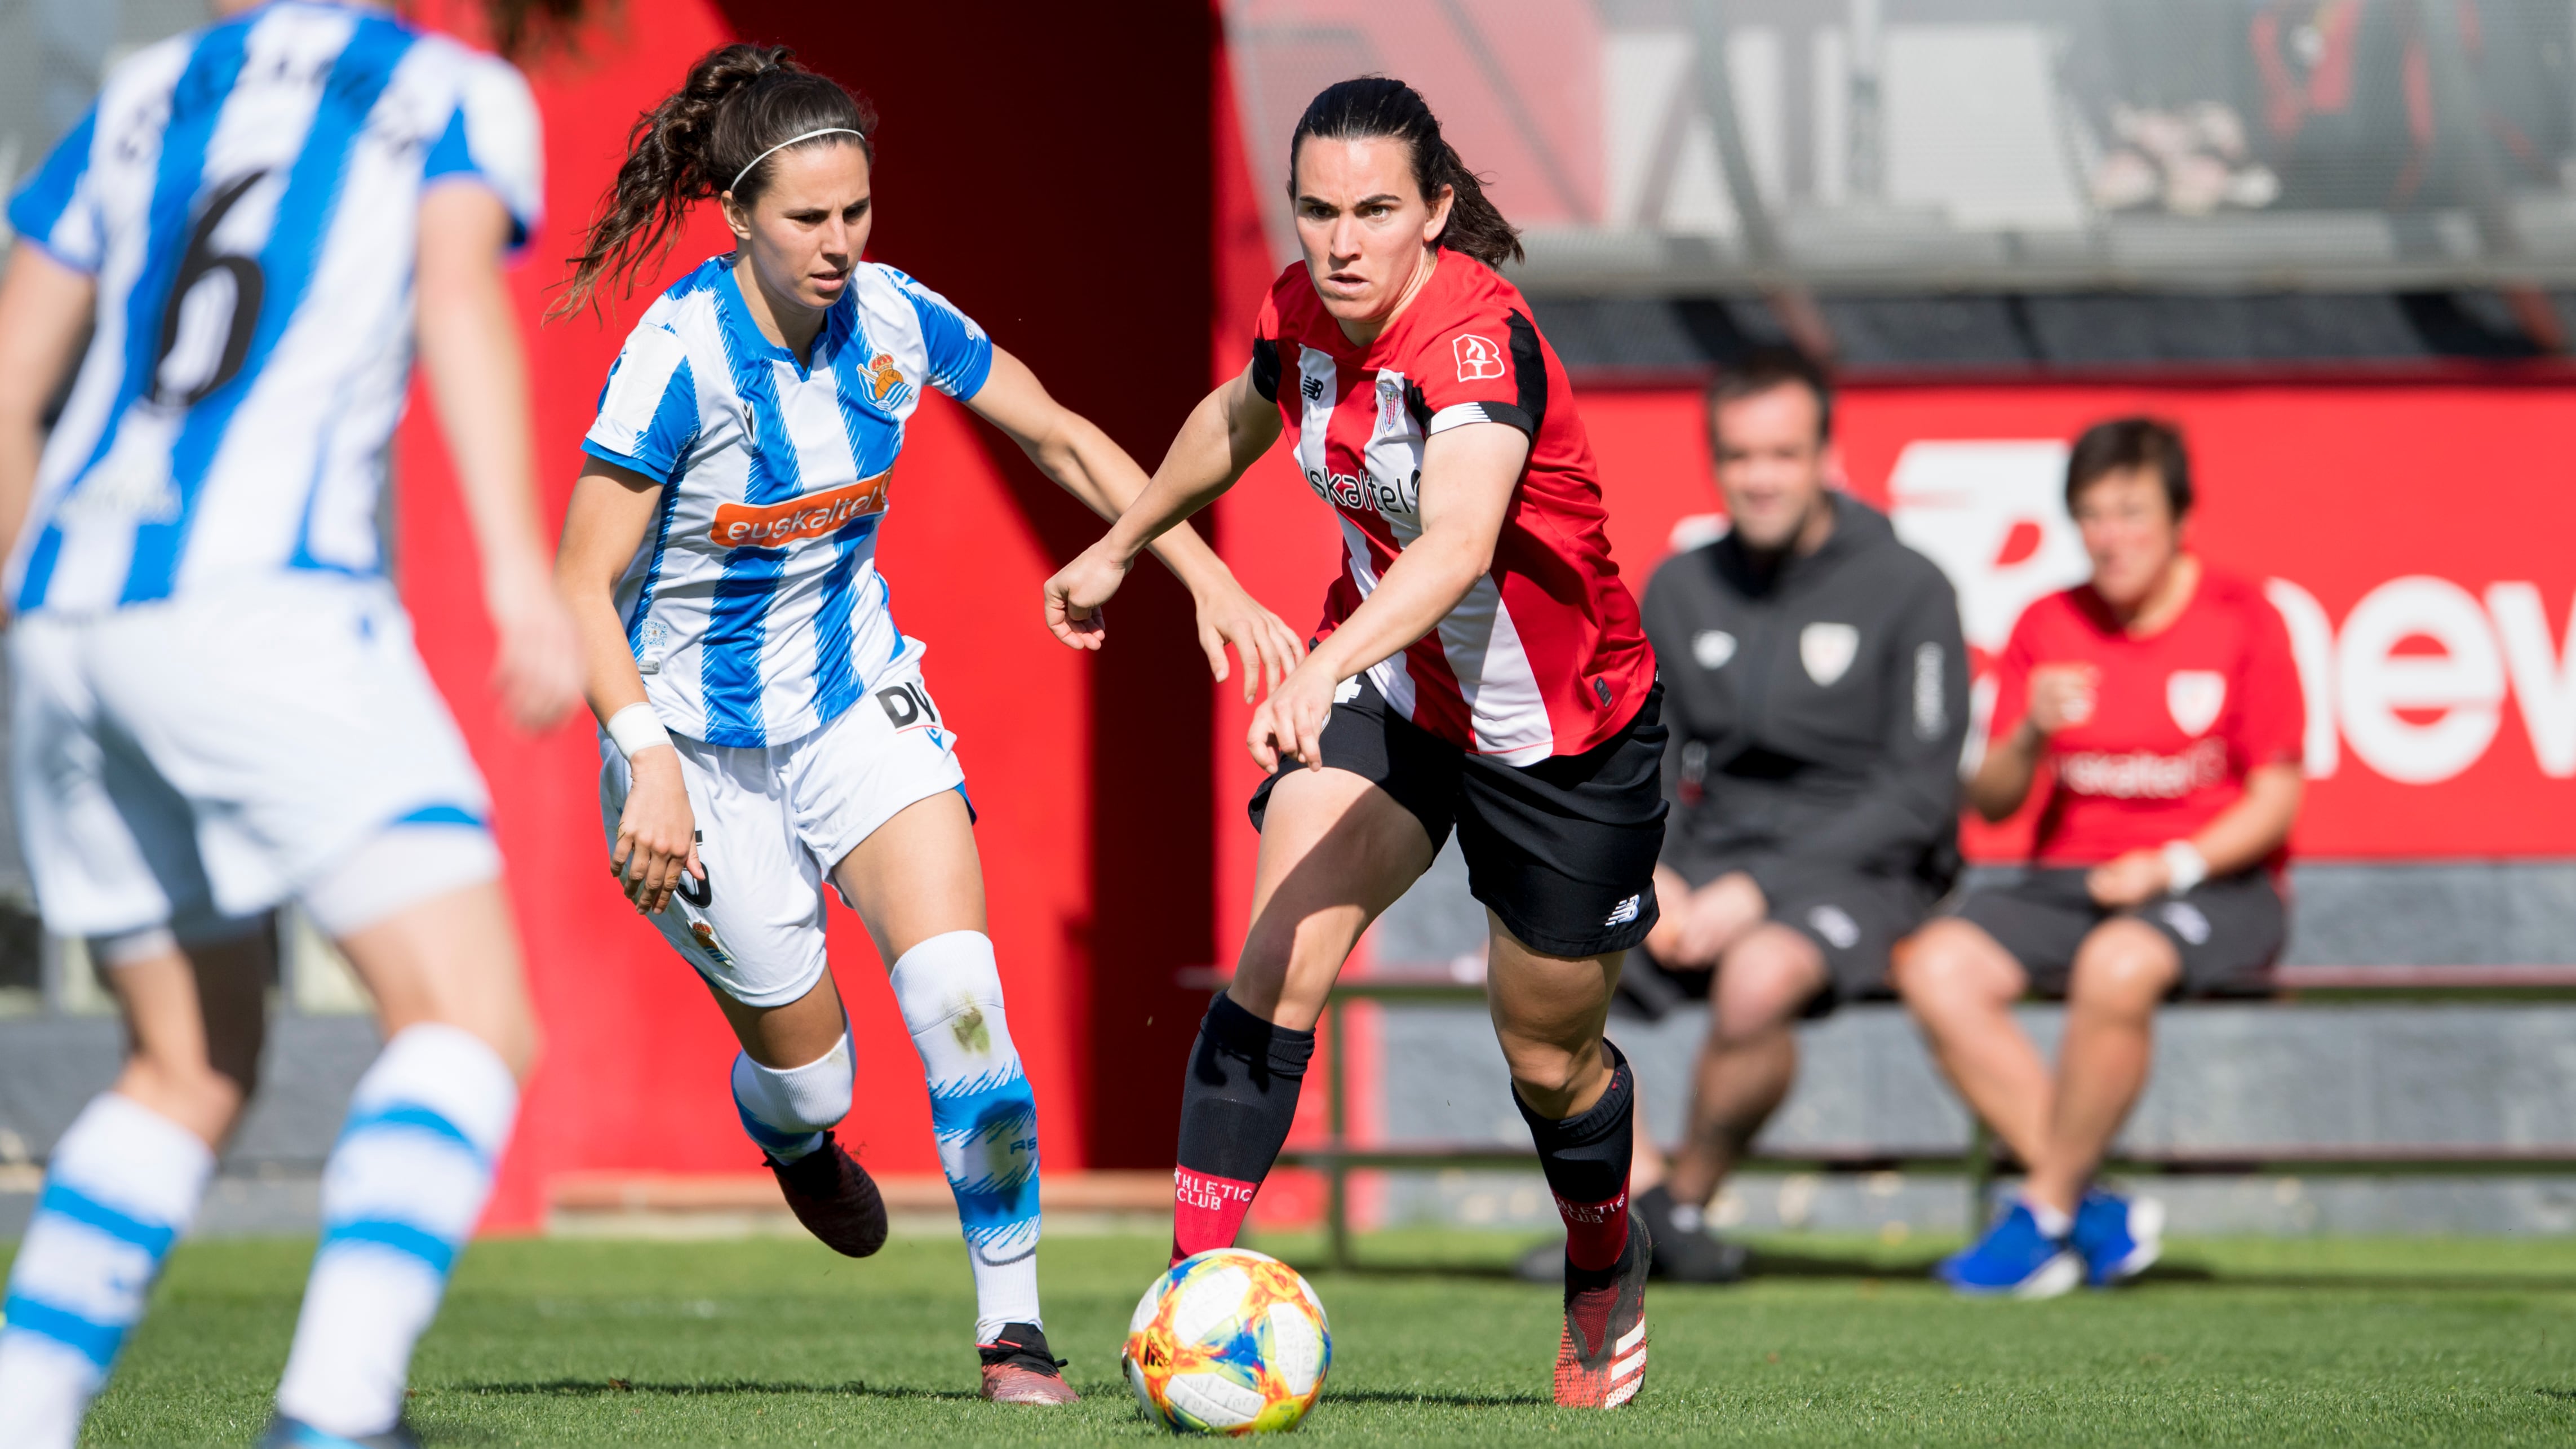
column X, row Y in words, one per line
column 1546, row 655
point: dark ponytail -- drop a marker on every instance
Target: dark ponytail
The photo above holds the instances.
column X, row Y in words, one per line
column 1374, row 105
column 521, row 28
column 737, row 103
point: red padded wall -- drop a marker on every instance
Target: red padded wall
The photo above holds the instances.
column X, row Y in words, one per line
column 1097, row 274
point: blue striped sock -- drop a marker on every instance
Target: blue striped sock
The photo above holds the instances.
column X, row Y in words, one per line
column 400, row 1195
column 123, row 1185
column 983, row 1114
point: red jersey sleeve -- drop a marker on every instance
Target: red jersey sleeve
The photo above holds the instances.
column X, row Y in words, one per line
column 2271, row 723
column 1486, row 367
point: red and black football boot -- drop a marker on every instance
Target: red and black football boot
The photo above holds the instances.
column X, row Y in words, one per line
column 1019, row 1368
column 834, row 1198
column 1601, row 1359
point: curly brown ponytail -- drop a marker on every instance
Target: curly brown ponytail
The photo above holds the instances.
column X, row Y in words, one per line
column 1375, row 105
column 738, row 102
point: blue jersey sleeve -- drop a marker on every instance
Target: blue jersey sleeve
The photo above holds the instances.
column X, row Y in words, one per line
column 961, row 356
column 491, row 138
column 648, row 412
column 55, row 210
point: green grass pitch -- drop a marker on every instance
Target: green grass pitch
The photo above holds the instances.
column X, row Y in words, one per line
column 777, row 1342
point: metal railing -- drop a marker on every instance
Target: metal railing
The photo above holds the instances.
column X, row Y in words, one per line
column 1979, row 1160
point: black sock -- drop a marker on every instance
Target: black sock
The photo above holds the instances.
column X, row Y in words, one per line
column 1586, row 1160
column 1236, row 1105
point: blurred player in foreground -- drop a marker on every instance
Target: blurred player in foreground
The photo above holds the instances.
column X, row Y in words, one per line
column 1480, row 663
column 765, row 724
column 2163, row 696
column 218, row 704
column 1817, row 701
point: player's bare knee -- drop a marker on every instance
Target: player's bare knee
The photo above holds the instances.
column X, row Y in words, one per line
column 1949, row 965
column 1764, row 983
column 1664, row 940
column 2124, row 968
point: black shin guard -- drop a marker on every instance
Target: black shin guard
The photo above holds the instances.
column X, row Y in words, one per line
column 1586, row 1159
column 1236, row 1105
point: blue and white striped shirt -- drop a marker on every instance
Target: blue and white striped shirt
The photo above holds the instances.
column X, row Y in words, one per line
column 247, row 196
column 754, row 606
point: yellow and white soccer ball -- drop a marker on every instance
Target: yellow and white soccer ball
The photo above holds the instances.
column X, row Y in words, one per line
column 1229, row 1341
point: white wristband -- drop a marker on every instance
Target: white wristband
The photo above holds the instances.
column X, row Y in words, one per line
column 636, row 729
column 2185, row 867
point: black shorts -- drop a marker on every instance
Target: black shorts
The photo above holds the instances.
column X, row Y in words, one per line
column 1563, row 851
column 2228, row 929
column 1854, row 918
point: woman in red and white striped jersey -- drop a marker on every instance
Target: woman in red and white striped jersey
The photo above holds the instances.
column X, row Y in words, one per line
column 1480, row 664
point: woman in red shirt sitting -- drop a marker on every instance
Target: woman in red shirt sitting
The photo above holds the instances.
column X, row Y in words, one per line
column 2164, row 698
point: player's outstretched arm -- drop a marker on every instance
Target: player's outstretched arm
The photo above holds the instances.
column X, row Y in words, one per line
column 1082, row 459
column 1230, row 428
column 469, row 345
column 1469, row 474
column 43, row 307
column 603, row 527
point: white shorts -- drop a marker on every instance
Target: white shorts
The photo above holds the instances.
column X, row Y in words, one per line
column 773, row 820
column 189, row 763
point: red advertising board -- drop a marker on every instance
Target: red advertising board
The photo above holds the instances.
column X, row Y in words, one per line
column 2415, row 537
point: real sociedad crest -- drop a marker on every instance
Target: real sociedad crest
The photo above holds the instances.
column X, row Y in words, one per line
column 2194, row 697
column 1828, row 651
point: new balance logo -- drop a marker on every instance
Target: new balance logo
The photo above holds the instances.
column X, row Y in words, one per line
column 1312, row 387
column 1625, row 911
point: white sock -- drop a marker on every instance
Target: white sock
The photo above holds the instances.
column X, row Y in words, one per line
column 2052, row 1222
column 786, row 1111
column 400, row 1195
column 983, row 1115
column 123, row 1185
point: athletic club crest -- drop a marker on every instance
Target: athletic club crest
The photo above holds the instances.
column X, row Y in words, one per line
column 2194, row 697
column 1390, row 405
column 1478, row 357
column 1828, row 651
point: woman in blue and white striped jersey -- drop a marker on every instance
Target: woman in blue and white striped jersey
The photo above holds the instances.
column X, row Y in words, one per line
column 765, row 725
column 218, row 707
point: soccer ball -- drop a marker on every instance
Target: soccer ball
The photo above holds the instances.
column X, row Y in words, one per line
column 1229, row 1341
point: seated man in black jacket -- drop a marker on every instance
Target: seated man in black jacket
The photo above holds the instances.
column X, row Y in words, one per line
column 1816, row 691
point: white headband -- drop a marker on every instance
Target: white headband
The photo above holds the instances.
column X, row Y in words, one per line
column 790, row 141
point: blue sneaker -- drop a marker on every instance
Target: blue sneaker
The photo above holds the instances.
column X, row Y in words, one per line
column 2014, row 1258
column 2118, row 1237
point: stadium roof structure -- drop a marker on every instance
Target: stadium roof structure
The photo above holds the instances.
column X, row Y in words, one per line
column 1659, row 148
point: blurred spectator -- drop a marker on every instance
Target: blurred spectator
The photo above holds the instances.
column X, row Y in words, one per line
column 2163, row 699
column 1815, row 690
column 2339, row 104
